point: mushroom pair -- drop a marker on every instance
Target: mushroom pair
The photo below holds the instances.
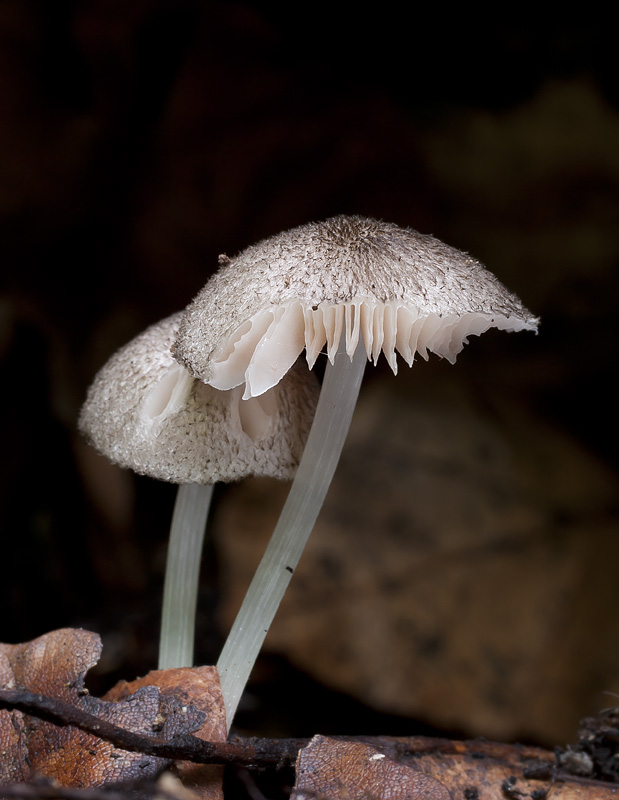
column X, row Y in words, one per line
column 355, row 287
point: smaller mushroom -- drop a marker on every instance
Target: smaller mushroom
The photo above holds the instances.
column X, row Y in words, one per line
column 145, row 412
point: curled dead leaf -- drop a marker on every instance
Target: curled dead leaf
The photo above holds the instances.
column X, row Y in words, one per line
column 55, row 665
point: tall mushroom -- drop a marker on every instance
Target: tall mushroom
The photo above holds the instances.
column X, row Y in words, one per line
column 332, row 284
column 145, row 412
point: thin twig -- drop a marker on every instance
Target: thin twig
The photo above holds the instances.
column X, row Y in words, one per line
column 260, row 753
column 183, row 747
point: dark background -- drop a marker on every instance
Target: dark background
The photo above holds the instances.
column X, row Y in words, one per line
column 140, row 139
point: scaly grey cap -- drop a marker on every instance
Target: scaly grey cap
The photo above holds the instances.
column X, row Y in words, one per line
column 146, row 412
column 393, row 287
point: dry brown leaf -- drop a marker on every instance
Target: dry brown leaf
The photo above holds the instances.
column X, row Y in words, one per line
column 55, row 665
column 200, row 687
column 394, row 768
column 473, row 775
column 350, row 770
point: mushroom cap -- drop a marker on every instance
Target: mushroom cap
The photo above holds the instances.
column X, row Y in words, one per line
column 145, row 412
column 395, row 288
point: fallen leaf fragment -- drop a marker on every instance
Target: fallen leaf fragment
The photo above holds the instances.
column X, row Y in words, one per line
column 492, row 770
column 354, row 770
column 493, row 780
column 199, row 687
column 55, row 665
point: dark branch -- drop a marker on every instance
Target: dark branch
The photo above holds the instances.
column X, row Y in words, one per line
column 247, row 752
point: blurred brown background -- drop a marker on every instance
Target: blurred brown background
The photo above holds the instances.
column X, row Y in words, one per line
column 463, row 575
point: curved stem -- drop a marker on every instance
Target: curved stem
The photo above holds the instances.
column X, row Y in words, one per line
column 334, row 412
column 182, row 576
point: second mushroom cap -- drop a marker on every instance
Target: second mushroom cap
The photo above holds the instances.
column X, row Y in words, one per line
column 144, row 411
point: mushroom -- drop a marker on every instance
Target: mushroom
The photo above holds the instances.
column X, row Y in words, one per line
column 145, row 412
column 328, row 284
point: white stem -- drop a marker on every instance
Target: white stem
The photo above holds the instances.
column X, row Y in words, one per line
column 334, row 412
column 180, row 589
